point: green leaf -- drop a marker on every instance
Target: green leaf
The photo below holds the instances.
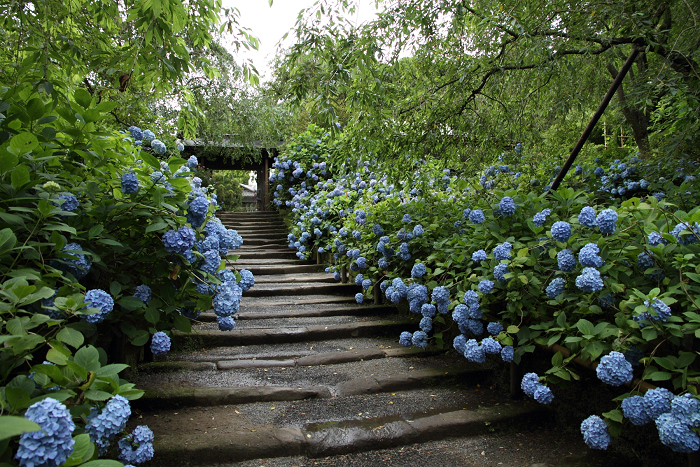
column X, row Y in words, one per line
column 83, row 449
column 19, row 177
column 585, row 326
column 152, row 315
column 512, row 329
column 112, row 369
column 54, row 356
column 17, row 397
column 88, row 358
column 102, row 463
column 96, row 395
column 82, row 98
column 8, row 240
column 615, row 415
column 182, row 323
column 8, row 161
column 71, row 337
column 157, row 226
column 142, row 336
column 11, row 425
column 78, row 370
column 557, row 359
column 660, row 376
column 131, row 303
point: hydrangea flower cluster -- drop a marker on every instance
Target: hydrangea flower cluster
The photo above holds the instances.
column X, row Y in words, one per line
column 614, row 369
column 441, row 296
column 506, row 207
column 589, row 281
column 53, row 444
column 541, row 217
column 70, row 202
column 103, row 426
column 561, row 231
column 566, row 260
column 418, row 270
column 555, row 288
column 179, row 241
column 531, row 386
column 76, row 264
column 588, row 256
column 98, row 298
column 500, row 271
column 477, row 216
column 143, row 293
column 595, row 432
column 688, row 238
column 502, row 251
column 160, row 343
column 137, row 447
column 587, row 217
column 479, row 255
column 661, row 312
column 606, row 221
column 158, row 146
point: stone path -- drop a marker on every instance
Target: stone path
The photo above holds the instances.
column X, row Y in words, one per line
column 308, row 377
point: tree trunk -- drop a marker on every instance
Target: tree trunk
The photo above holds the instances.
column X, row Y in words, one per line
column 635, row 117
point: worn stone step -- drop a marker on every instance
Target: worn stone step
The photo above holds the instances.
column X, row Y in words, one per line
column 248, row 302
column 275, row 322
column 159, row 397
column 245, row 255
column 265, row 269
column 251, row 241
column 252, row 312
column 202, row 339
column 257, row 225
column 230, row 435
column 303, row 288
column 296, row 278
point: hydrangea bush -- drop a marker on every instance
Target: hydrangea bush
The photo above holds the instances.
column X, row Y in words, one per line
column 107, row 242
column 603, row 269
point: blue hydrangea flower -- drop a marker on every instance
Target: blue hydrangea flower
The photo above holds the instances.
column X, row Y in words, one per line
column 98, row 298
column 192, row 162
column 606, row 221
column 426, row 324
column 460, row 343
column 500, row 271
column 77, row 264
column 53, row 444
column 491, row 346
column 103, row 426
column 589, row 280
column 179, row 241
column 655, row 239
column 361, row 262
column 506, row 207
column 428, row 310
column 494, row 328
column 406, row 218
column 530, row 383
column 477, row 216
column 366, row 284
column 595, row 432
column 135, row 133
column 359, row 297
column 418, row 231
column 541, row 217
column 566, row 260
column 485, row 286
column 420, row 339
column 663, row 311
column 441, row 294
column 502, row 251
column 357, row 234
column 405, row 339
column 418, row 270
column 382, row 263
column 479, row 255
column 377, row 230
column 634, row 409
column 587, row 217
column 599, row 172
column 226, row 323
column 247, row 279
column 130, row 183
column 160, row 343
column 689, row 238
column 473, row 352
column 561, row 231
column 676, row 433
column 543, row 395
column 657, row 401
column 614, row 369
column 644, row 261
column 148, row 135
column 555, row 288
column 158, row 146
column 70, row 202
column 143, row 293
column 137, row 447
column 507, row 353
column 588, row 256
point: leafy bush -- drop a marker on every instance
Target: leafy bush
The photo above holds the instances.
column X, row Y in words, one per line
column 603, row 267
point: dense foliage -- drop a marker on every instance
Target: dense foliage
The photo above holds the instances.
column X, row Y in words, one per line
column 604, row 269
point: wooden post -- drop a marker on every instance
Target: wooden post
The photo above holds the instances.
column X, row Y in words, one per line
column 596, row 116
column 344, row 275
column 377, row 294
column 605, row 134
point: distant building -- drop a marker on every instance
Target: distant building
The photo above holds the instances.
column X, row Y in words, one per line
column 248, row 200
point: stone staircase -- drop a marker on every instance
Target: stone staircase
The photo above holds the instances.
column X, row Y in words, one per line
column 309, row 377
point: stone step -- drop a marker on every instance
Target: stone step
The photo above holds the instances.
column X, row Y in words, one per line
column 203, row 339
column 305, row 310
column 302, row 288
column 248, row 302
column 263, row 430
column 160, row 397
column 254, row 225
column 276, row 322
column 263, row 241
column 249, row 232
column 245, row 255
column 296, row 278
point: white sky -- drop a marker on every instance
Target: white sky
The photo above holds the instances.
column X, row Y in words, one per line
column 270, row 23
